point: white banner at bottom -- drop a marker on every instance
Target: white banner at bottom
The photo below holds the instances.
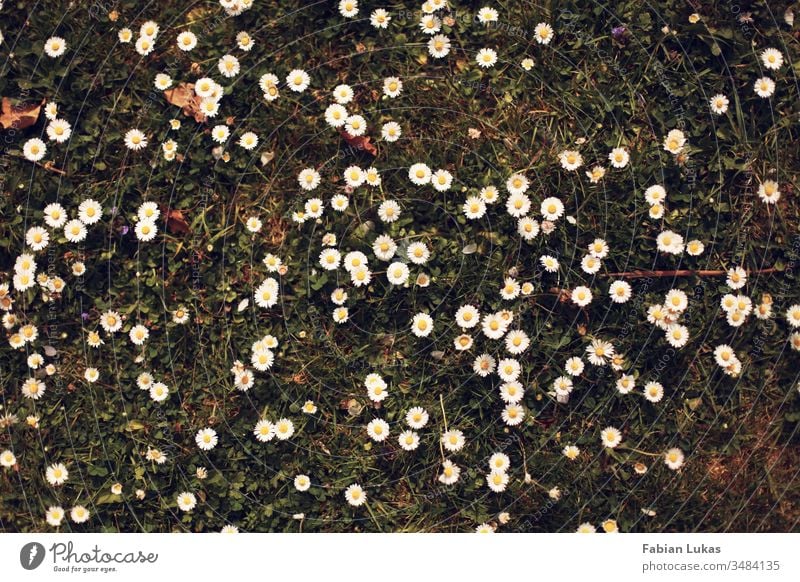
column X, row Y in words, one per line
column 333, row 557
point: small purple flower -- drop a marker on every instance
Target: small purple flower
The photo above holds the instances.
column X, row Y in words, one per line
column 125, row 230
column 84, row 316
column 618, row 32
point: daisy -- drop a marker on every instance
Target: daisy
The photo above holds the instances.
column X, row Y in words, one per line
column 422, row 325
column 453, row 440
column 764, row 87
column 220, row 133
column 206, row 439
column 430, row 24
column 590, row 264
column 330, row 259
column 302, row 482
column 264, row 431
column 37, row 238
column 653, row 391
column 125, row 35
column 769, row 192
column 75, row 231
column 34, row 149
column 441, row 180
column 543, row 33
column 463, row 342
column 510, row 289
column 620, row 292
column 599, row 352
column 144, row 45
column 418, row 253
column 379, row 18
column 417, row 417
column 793, row 316
column 348, row 8
column 355, row 495
column 57, row 474
column 518, row 205
column 574, row 366
column 517, row 341
column 669, row 242
column 55, row 46
column 244, row 41
column 625, row 384
column 486, row 58
column 54, row 215
column 596, row 174
column 392, row 87
column 309, row 407
column 673, row 458
column 186, row 501
column 419, row 174
column 355, row 125
column 439, row 46
column 719, row 104
column 497, row 481
column 772, row 58
column 549, row 263
column 354, row 176
column 54, row 515
column 619, row 157
column 372, row 177
column 571, row 452
column 340, row 202
column 111, row 321
column 581, row 296
column 186, row 41
column 89, row 211
column 695, row 248
column 552, row 208
column 483, row 365
column 586, row 528
column 284, row 429
column 450, row 472
column 248, row 140
column 389, row 211
column 527, row 228
column 408, row 440
column 610, row 437
column 570, row 160
column 335, row 115
column 513, row 414
column 384, row 248
column 91, row 375
column 674, row 141
column 397, row 273
column 737, row 278
column 391, row 131
column 135, row 140
column 59, row 130
column 298, row 80
column 7, row 459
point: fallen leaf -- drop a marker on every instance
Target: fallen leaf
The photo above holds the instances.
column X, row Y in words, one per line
column 176, row 223
column 183, row 96
column 19, row 117
column 360, row 143
column 267, row 157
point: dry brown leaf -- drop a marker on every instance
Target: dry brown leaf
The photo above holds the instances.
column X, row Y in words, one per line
column 19, row 117
column 183, row 96
column 176, row 223
column 360, row 143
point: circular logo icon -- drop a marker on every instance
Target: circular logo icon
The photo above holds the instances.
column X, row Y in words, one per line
column 31, row 555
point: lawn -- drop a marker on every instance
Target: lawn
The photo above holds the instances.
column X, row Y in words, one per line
column 351, row 266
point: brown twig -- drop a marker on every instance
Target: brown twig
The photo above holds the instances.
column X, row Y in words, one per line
column 681, row 273
column 51, row 168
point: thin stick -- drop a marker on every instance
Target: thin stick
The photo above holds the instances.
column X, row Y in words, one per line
column 681, row 273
